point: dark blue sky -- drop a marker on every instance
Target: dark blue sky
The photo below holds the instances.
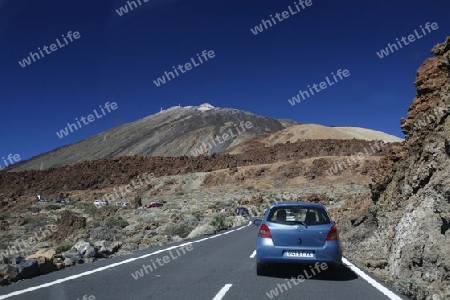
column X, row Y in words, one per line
column 117, row 58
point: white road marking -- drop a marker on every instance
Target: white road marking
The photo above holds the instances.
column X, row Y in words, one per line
column 364, row 276
column 370, row 280
column 34, row 288
column 223, row 291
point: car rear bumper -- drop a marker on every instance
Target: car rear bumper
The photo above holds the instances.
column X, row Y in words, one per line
column 266, row 252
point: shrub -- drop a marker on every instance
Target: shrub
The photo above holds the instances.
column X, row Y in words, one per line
column 87, row 207
column 95, row 224
column 173, row 206
column 198, row 214
column 220, row 221
column 110, row 208
column 182, row 228
column 253, row 211
column 63, row 247
column 35, row 221
column 116, row 221
column 52, row 207
column 178, row 229
column 411, row 288
column 107, row 234
column 34, row 209
column 217, row 205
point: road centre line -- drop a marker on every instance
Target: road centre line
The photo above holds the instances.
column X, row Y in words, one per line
column 223, row 291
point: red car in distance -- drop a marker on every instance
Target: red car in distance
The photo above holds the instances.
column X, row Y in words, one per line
column 154, row 204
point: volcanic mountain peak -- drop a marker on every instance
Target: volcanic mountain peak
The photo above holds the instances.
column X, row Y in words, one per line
column 201, row 107
column 187, row 131
column 176, row 131
column 205, row 107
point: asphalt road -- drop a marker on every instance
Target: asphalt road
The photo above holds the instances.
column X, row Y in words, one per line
column 217, row 267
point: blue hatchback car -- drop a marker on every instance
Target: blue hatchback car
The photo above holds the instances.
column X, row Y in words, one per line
column 297, row 233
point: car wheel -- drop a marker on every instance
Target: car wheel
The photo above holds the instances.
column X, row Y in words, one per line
column 261, row 269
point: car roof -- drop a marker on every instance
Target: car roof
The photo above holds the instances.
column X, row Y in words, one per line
column 299, row 203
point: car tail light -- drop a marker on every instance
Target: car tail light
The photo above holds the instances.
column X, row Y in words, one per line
column 333, row 234
column 264, row 231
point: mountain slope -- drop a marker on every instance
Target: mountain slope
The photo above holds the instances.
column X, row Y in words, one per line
column 302, row 132
column 314, row 131
column 193, row 131
column 177, row 131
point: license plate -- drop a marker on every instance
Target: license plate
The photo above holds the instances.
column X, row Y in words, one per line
column 299, row 253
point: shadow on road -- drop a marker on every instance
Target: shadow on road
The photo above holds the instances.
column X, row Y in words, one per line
column 309, row 273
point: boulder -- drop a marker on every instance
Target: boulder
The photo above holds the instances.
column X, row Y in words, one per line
column 44, row 258
column 105, row 248
column 3, row 282
column 68, row 262
column 29, row 268
column 46, row 254
column 59, row 266
column 85, row 248
column 9, row 273
column 16, row 260
column 73, row 255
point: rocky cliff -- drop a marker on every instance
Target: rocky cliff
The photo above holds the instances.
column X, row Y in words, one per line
column 405, row 236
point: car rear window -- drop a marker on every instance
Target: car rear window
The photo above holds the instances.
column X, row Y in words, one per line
column 298, row 214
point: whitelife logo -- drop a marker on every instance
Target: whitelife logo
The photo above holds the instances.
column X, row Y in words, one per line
column 285, row 14
column 130, row 187
column 300, row 278
column 10, row 158
column 22, row 245
column 187, row 66
column 323, row 85
column 360, row 156
column 411, row 38
column 71, row 36
column 124, row 9
column 225, row 136
column 86, row 297
column 90, row 118
column 430, row 118
column 439, row 112
column 165, row 260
